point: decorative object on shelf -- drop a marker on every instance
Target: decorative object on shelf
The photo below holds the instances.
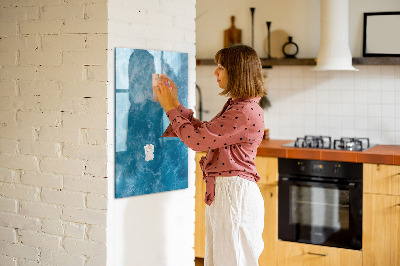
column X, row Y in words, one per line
column 264, row 103
column 252, row 9
column 290, row 49
column 269, row 38
column 277, row 39
column 266, row 134
column 334, row 51
column 378, row 38
column 232, row 35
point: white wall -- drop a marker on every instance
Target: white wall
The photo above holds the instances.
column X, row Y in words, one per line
column 338, row 104
column 155, row 229
column 299, row 18
column 53, row 190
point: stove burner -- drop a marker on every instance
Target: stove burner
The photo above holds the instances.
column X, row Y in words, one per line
column 308, row 141
column 351, row 144
column 324, row 142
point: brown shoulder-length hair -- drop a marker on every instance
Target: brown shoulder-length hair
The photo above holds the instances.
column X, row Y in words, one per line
column 245, row 78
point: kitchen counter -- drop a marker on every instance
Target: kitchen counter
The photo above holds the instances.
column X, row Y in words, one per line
column 379, row 154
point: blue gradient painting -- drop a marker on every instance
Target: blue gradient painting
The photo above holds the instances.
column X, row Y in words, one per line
column 144, row 162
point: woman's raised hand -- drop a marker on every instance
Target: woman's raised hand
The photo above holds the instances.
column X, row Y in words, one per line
column 164, row 94
column 174, row 91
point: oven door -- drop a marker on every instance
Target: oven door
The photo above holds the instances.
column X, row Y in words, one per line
column 321, row 212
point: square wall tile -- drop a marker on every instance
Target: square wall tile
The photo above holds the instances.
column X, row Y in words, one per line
column 322, row 95
column 388, row 124
column 361, row 123
column 388, row 97
column 388, row 110
column 388, row 137
column 374, row 124
column 361, row 110
column 374, row 110
column 387, row 72
column 388, row 84
column 374, row 97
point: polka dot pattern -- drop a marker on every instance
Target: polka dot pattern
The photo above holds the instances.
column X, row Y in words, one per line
column 231, row 139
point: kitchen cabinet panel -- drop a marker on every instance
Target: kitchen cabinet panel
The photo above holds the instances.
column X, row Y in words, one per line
column 381, row 179
column 381, row 230
column 200, row 207
column 267, row 168
column 298, row 254
column 270, row 233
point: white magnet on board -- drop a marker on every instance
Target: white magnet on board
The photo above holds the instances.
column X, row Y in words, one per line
column 149, row 152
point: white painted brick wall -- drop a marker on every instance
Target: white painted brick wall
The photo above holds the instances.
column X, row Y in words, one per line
column 75, row 230
column 53, row 227
column 61, row 258
column 8, row 234
column 53, row 109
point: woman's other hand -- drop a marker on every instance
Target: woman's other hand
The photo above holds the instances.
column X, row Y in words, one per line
column 174, row 91
column 164, row 95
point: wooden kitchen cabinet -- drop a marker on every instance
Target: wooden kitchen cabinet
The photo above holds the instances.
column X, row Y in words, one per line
column 267, row 168
column 381, row 230
column 298, row 254
column 270, row 233
column 381, row 179
column 381, row 215
column 200, row 207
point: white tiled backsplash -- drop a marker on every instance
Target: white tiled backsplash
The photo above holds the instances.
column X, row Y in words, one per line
column 337, row 104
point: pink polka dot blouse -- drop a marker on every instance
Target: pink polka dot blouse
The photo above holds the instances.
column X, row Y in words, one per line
column 231, row 139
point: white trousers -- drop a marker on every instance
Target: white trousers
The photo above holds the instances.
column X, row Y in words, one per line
column 234, row 223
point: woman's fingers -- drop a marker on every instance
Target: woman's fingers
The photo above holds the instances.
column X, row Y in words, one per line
column 171, row 82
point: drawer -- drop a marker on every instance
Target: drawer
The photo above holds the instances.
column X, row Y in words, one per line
column 293, row 254
column 381, row 179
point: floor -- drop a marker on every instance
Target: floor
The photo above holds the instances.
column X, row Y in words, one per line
column 199, row 262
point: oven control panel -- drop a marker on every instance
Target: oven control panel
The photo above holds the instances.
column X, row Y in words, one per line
column 331, row 169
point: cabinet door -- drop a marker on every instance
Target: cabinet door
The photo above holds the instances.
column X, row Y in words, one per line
column 381, row 179
column 267, row 168
column 270, row 233
column 381, row 230
column 200, row 207
column 297, row 254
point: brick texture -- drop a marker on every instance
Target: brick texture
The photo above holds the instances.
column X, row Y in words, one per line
column 53, row 109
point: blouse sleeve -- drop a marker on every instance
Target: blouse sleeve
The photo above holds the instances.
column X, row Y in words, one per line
column 186, row 113
column 225, row 130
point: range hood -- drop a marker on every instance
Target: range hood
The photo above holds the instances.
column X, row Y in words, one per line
column 334, row 51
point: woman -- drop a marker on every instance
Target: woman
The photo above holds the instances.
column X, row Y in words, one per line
column 235, row 207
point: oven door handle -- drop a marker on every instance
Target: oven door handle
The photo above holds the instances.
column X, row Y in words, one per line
column 330, row 184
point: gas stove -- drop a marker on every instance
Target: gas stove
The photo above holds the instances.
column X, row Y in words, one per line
column 325, row 142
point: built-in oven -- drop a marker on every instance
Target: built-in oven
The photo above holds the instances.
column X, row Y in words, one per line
column 320, row 202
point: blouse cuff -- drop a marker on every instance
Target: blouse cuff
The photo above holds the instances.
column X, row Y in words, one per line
column 172, row 114
column 184, row 112
column 169, row 132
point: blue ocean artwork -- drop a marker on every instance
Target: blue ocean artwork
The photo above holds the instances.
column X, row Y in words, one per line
column 144, row 162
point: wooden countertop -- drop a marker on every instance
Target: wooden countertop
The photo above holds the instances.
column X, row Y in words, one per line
column 379, row 154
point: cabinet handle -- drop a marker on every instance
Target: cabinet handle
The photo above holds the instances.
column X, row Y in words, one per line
column 318, row 254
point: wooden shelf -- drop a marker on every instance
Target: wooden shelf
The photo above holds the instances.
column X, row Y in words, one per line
column 312, row 61
column 376, row 61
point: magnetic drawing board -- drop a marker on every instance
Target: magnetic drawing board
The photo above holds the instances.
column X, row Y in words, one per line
column 144, row 162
